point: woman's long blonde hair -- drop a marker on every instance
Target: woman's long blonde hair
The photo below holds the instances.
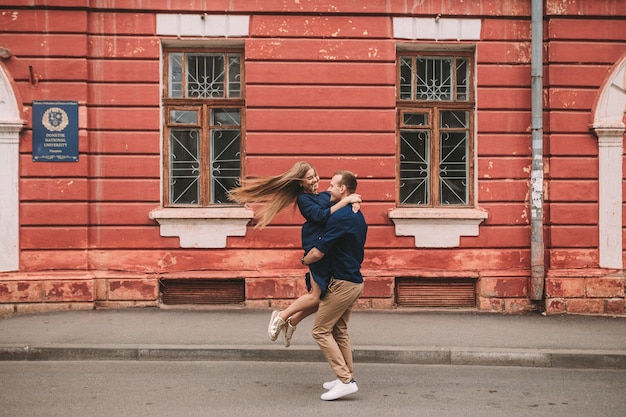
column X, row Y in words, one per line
column 277, row 192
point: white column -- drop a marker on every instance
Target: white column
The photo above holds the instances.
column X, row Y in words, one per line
column 608, row 114
column 10, row 126
column 9, row 191
column 610, row 152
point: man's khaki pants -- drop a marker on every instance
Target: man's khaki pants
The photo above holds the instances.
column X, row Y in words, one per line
column 330, row 329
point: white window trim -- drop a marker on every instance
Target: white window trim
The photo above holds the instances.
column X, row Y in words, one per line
column 206, row 227
column 202, row 25
column 436, row 227
column 426, row 28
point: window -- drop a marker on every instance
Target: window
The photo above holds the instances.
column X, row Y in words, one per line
column 435, row 130
column 203, row 129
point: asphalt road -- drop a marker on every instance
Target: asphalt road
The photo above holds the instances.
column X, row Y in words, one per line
column 237, row 389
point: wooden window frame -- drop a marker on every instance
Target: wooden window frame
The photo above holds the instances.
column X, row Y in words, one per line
column 204, row 107
column 434, row 108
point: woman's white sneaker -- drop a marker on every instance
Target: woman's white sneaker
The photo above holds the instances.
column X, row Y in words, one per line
column 289, row 329
column 276, row 325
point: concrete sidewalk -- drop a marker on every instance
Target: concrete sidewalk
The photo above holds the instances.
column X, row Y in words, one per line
column 412, row 337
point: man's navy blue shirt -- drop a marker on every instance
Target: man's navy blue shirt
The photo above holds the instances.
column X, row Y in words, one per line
column 343, row 241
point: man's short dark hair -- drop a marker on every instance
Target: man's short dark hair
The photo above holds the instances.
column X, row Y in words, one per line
column 348, row 179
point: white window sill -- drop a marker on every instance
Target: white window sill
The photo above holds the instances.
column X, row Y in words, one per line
column 437, row 228
column 203, row 227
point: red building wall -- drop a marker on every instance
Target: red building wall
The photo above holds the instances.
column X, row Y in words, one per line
column 320, row 86
column 579, row 61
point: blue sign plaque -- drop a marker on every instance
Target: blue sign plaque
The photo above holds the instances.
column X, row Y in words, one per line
column 55, row 131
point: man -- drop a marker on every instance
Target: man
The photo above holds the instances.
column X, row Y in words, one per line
column 343, row 241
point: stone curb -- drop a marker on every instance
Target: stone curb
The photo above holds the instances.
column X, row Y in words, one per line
column 387, row 355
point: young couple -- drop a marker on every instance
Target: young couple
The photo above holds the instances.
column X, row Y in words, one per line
column 333, row 239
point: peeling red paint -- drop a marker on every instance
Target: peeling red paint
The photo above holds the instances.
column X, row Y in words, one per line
column 133, row 290
column 4, row 290
column 69, row 290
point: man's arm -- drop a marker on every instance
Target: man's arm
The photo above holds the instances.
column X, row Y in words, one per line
column 312, row 256
column 333, row 230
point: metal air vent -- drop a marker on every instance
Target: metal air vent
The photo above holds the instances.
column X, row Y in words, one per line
column 203, row 291
column 421, row 292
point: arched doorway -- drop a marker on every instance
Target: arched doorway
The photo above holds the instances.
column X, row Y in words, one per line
column 10, row 126
column 608, row 124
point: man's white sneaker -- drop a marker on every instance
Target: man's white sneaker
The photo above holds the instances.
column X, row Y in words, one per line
column 276, row 325
column 330, row 384
column 340, row 390
column 289, row 329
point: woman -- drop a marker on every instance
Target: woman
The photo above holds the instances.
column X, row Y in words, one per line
column 298, row 185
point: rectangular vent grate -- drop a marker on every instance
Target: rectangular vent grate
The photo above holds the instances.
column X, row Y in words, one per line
column 203, row 291
column 419, row 292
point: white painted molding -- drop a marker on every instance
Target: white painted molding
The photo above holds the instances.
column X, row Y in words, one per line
column 610, row 150
column 436, row 28
column 437, row 228
column 611, row 103
column 202, row 227
column 608, row 114
column 10, row 127
column 202, row 25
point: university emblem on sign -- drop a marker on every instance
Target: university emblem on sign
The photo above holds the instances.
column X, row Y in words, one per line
column 55, row 131
column 55, row 119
